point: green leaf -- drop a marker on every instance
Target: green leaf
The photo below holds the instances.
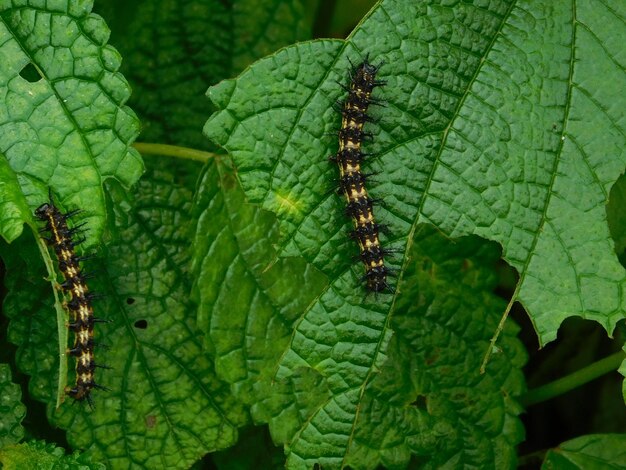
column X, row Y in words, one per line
column 13, row 207
column 63, row 123
column 430, row 398
column 490, row 128
column 263, row 26
column 165, row 408
column 12, row 411
column 38, row 455
column 248, row 300
column 526, row 152
column 595, row 451
column 435, row 357
column 174, row 50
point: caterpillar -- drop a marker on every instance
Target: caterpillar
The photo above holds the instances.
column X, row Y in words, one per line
column 351, row 179
column 82, row 318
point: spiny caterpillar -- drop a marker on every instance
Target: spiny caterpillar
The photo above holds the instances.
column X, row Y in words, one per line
column 79, row 305
column 352, row 180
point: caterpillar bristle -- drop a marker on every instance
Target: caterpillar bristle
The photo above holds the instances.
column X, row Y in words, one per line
column 72, row 213
column 101, row 387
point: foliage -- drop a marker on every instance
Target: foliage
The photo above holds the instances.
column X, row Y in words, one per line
column 230, row 286
column 11, row 407
column 38, row 455
column 596, row 451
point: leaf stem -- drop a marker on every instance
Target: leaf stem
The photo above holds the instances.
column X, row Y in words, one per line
column 496, row 335
column 146, row 148
column 574, row 380
column 62, row 320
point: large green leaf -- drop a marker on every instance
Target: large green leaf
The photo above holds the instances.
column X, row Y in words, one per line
column 492, row 127
column 63, row 123
column 429, row 390
column 532, row 154
column 165, row 407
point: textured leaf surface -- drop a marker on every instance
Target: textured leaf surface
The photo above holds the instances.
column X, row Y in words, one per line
column 166, row 408
column 12, row 411
column 40, row 456
column 261, row 27
column 63, row 122
column 246, row 305
column 593, row 452
column 430, row 398
column 492, row 127
column 173, row 50
column 501, row 121
column 13, row 207
column 534, row 151
column 430, row 390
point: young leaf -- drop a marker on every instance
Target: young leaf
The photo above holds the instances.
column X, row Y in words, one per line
column 63, row 123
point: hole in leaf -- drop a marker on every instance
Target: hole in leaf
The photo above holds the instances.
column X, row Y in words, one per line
column 616, row 217
column 141, row 324
column 419, row 402
column 30, row 73
column 130, row 301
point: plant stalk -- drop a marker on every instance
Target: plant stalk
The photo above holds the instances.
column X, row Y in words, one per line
column 175, row 151
column 574, row 380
